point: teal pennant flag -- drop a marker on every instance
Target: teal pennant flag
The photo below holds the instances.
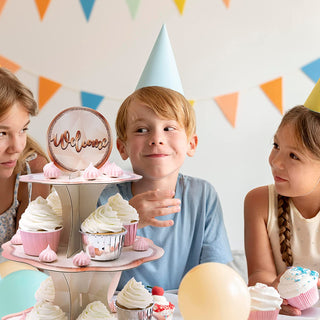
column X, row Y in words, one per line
column 87, row 6
column 90, row 100
column 312, row 70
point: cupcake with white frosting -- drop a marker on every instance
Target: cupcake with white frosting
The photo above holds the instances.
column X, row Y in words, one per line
column 134, row 301
column 103, row 234
column 46, row 310
column 128, row 216
column 265, row 302
column 40, row 226
column 96, row 310
column 46, row 291
column 299, row 287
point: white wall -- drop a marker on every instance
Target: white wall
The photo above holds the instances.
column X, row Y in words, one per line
column 218, row 51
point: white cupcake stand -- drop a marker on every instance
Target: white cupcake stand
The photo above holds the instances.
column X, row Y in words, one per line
column 76, row 287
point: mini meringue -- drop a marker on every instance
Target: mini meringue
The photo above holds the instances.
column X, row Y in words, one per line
column 48, row 255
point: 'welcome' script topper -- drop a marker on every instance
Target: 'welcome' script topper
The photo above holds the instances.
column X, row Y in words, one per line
column 78, row 136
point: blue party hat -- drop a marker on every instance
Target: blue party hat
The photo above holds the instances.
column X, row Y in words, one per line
column 161, row 69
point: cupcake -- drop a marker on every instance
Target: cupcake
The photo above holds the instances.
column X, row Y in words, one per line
column 265, row 302
column 40, row 226
column 162, row 306
column 46, row 310
column 134, row 301
column 51, row 171
column 299, row 287
column 128, row 216
column 103, row 234
column 96, row 310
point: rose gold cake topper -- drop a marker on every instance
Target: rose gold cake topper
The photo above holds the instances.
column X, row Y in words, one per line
column 78, row 136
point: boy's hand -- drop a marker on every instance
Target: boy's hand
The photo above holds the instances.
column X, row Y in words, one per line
column 152, row 204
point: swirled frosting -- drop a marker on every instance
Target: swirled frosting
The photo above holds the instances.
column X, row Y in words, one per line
column 264, row 298
column 39, row 216
column 44, row 310
column 54, row 201
column 297, row 280
column 46, row 291
column 125, row 212
column 102, row 220
column 134, row 296
column 96, row 310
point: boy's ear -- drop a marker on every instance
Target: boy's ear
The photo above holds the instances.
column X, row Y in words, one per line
column 122, row 149
column 192, row 145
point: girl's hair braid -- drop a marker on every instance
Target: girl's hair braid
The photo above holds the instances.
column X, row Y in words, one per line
column 284, row 230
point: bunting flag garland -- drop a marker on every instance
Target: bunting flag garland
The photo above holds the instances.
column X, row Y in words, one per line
column 2, row 3
column 228, row 104
column 180, row 5
column 10, row 65
column 312, row 70
column 227, row 3
column 87, row 6
column 42, row 6
column 273, row 90
column 47, row 88
column 90, row 100
column 133, row 7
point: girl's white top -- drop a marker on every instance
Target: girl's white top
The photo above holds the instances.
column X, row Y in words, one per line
column 134, row 296
column 46, row 291
column 96, row 310
column 297, row 280
column 54, row 201
column 44, row 310
column 39, row 216
column 125, row 212
column 264, row 298
column 102, row 220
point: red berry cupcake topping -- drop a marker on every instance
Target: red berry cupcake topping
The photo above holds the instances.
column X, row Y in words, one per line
column 157, row 291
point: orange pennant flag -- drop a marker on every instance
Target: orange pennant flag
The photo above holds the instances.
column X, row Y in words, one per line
column 228, row 104
column 180, row 5
column 47, row 88
column 273, row 90
column 2, row 3
column 6, row 63
column 227, row 3
column 42, row 6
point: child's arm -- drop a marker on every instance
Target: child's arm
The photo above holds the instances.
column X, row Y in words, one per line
column 152, row 204
column 261, row 266
column 38, row 189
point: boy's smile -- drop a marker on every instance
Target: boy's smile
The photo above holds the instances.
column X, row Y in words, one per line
column 157, row 147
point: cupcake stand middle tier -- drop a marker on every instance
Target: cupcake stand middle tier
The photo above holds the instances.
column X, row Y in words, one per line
column 76, row 287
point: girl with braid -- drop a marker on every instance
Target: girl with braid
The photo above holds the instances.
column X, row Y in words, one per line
column 282, row 221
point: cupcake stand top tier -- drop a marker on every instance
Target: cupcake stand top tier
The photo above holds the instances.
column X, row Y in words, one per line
column 76, row 287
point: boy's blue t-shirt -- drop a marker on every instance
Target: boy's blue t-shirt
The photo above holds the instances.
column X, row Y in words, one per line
column 197, row 236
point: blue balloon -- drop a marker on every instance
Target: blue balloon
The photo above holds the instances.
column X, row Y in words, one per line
column 17, row 290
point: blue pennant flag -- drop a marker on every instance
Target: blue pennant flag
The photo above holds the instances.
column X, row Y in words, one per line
column 87, row 6
column 312, row 70
column 90, row 100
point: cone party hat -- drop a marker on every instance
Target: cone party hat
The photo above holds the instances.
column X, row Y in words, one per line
column 313, row 101
column 161, row 69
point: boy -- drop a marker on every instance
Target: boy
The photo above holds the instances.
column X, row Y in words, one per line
column 156, row 130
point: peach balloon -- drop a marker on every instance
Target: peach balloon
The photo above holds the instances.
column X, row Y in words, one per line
column 213, row 291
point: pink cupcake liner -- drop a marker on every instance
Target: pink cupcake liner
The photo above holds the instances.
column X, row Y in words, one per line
column 35, row 242
column 131, row 234
column 305, row 300
column 264, row 315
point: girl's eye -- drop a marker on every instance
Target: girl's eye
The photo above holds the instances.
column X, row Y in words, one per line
column 293, row 156
column 168, row 129
column 275, row 146
column 2, row 133
column 24, row 130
